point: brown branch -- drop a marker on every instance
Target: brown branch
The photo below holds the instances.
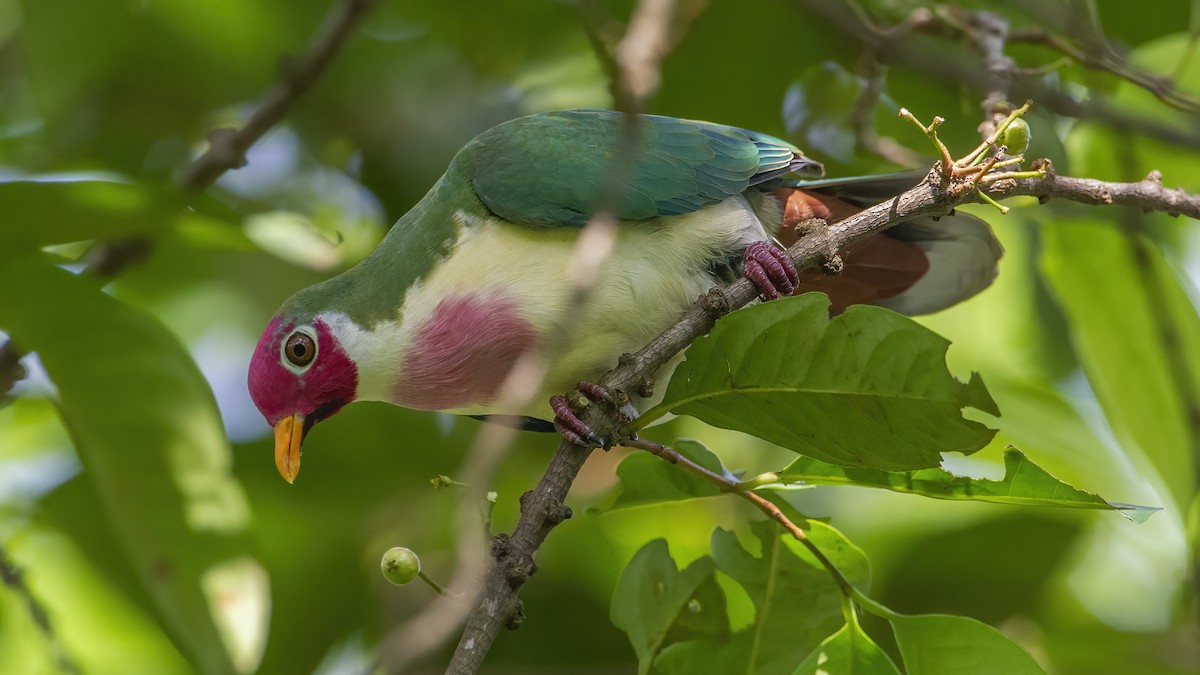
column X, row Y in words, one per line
column 1148, row 194
column 227, row 150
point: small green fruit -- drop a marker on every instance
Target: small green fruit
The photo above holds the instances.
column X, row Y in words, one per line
column 400, row 565
column 1016, row 137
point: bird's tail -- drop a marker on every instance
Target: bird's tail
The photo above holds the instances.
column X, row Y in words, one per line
column 917, row 267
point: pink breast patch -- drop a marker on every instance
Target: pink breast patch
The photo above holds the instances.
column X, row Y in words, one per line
column 462, row 353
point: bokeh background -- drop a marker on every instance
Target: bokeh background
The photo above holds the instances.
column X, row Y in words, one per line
column 102, row 102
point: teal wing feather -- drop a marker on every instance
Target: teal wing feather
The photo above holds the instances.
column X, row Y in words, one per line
column 550, row 169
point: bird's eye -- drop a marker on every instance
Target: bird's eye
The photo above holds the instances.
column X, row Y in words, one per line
column 300, row 349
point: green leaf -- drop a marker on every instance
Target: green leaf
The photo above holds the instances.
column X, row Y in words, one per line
column 147, row 430
column 797, row 604
column 96, row 623
column 868, row 388
column 52, row 209
column 1024, row 483
column 848, row 652
column 653, row 598
column 58, row 209
column 1119, row 296
column 939, row 644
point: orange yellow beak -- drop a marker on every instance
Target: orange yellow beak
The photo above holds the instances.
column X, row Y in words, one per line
column 289, row 433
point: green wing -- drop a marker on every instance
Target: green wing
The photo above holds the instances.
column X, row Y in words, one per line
column 550, row 168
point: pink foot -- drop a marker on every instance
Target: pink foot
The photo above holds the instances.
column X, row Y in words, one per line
column 771, row 270
column 568, row 424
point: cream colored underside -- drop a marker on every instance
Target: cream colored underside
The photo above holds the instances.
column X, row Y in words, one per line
column 657, row 269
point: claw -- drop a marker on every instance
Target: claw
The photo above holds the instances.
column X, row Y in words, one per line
column 771, row 270
column 569, row 426
column 595, row 392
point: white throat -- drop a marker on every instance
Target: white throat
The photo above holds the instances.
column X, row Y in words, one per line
column 376, row 353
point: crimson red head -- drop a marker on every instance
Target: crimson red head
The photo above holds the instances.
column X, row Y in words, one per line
column 299, row 375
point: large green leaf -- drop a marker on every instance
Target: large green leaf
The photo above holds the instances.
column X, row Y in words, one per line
column 645, row 479
column 848, row 652
column 797, row 604
column 939, row 644
column 653, row 597
column 147, row 430
column 1024, row 483
column 1138, row 337
column 51, row 209
column 57, row 209
column 868, row 388
column 97, row 625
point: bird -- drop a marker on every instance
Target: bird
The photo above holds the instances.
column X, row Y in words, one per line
column 478, row 272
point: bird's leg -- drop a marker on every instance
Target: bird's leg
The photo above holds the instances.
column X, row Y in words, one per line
column 575, row 430
column 771, row 270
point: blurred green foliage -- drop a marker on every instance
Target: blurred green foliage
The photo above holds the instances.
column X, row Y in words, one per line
column 156, row 543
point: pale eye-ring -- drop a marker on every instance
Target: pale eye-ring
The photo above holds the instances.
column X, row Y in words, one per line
column 300, row 349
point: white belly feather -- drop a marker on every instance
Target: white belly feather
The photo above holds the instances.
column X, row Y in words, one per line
column 657, row 269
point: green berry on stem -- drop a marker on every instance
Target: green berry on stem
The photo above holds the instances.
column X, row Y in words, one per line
column 400, row 565
column 1016, row 137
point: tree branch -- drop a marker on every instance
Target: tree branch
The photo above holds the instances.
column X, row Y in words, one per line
column 1148, row 194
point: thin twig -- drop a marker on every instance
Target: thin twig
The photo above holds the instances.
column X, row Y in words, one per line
column 1162, row 87
column 12, row 577
column 874, row 74
column 733, row 487
column 989, row 32
column 227, row 147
